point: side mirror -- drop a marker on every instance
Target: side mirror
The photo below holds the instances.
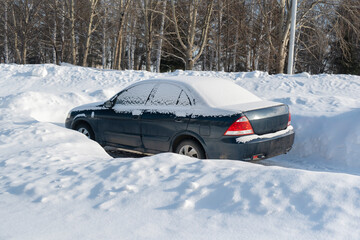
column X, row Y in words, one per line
column 108, row 104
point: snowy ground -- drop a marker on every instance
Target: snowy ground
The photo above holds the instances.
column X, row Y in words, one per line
column 57, row 184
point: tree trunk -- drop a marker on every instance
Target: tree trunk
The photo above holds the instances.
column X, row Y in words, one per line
column 119, row 42
column 235, row 49
column 132, row 46
column 283, row 34
column 54, row 33
column 219, row 34
column 148, row 6
column 16, row 38
column 211, row 60
column 103, row 57
column 189, row 65
column 24, row 52
column 148, row 33
column 268, row 22
column 73, row 39
column 118, row 49
column 249, row 38
column 62, row 31
column 204, row 59
column 161, row 35
column 24, row 33
column 89, row 31
column 6, row 48
column 281, row 58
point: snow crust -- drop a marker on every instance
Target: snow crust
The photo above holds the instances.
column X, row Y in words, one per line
column 57, row 184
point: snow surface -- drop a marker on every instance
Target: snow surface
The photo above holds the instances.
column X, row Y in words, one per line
column 57, row 184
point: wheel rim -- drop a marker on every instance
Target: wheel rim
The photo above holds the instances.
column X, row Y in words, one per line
column 84, row 131
column 188, row 150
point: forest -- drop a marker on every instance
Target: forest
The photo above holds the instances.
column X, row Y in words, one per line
column 164, row 35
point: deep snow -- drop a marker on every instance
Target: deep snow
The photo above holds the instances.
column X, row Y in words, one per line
column 57, row 184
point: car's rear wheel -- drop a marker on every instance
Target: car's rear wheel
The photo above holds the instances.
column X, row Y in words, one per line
column 86, row 130
column 190, row 148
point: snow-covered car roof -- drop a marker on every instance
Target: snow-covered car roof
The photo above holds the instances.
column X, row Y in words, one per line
column 215, row 92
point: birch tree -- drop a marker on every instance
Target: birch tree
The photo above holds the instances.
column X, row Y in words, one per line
column 147, row 7
column 90, row 29
column 283, row 34
column 191, row 43
column 6, row 47
column 72, row 27
column 123, row 10
column 103, row 57
column 62, row 31
column 25, row 21
column 161, row 36
column 283, row 27
column 54, row 32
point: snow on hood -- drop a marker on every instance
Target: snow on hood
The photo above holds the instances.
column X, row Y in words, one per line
column 89, row 106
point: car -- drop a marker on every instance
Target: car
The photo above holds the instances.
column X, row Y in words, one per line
column 201, row 117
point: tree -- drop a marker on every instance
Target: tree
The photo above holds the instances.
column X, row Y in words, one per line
column 192, row 44
column 123, row 11
column 147, row 7
column 346, row 34
column 6, row 33
column 161, row 36
column 90, row 29
column 72, row 27
column 25, row 21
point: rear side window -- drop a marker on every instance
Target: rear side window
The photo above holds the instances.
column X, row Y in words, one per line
column 137, row 95
column 166, row 95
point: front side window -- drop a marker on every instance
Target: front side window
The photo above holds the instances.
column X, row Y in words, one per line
column 137, row 95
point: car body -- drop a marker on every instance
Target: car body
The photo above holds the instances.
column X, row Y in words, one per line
column 195, row 116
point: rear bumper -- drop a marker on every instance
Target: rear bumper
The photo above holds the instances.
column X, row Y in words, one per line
column 229, row 148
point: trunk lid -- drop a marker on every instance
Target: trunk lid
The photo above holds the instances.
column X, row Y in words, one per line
column 268, row 119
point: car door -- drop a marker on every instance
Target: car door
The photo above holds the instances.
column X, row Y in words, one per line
column 165, row 114
column 120, row 124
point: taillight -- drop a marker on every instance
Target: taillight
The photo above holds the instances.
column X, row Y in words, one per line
column 289, row 121
column 241, row 126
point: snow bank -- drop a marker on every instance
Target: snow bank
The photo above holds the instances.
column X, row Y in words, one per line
column 57, row 184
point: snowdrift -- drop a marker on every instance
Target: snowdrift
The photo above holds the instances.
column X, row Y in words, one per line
column 57, row 184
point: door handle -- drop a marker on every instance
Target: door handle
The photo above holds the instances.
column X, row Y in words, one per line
column 179, row 120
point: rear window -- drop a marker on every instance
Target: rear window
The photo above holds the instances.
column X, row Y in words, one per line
column 220, row 93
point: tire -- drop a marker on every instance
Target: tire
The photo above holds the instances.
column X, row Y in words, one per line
column 190, row 148
column 86, row 130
